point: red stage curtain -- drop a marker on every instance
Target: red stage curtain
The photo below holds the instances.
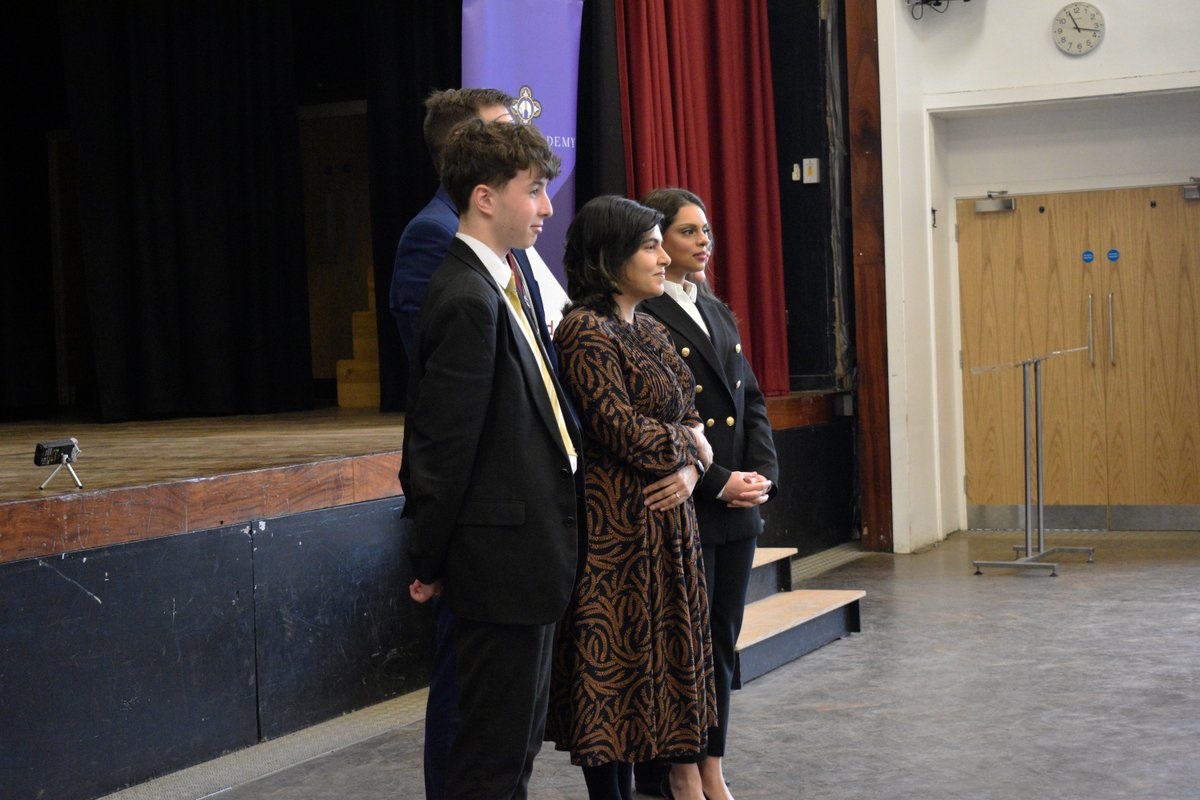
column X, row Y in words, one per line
column 698, row 111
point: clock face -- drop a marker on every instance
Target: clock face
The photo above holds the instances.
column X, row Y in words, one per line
column 1078, row 28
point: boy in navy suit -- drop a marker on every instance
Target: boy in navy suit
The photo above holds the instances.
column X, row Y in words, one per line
column 428, row 235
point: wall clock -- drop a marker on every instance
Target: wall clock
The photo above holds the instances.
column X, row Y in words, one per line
column 1078, row 28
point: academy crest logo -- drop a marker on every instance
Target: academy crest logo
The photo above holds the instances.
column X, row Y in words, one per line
column 525, row 108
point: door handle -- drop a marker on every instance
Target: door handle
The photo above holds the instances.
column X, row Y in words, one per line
column 1091, row 333
column 1112, row 347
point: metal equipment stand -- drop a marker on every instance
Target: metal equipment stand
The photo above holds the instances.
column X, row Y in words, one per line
column 1033, row 560
column 65, row 462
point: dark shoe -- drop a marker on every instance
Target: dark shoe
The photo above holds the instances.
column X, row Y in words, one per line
column 651, row 789
column 648, row 775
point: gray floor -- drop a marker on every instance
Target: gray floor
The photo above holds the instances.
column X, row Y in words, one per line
column 1006, row 685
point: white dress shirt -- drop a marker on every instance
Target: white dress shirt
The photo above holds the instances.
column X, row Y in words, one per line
column 685, row 295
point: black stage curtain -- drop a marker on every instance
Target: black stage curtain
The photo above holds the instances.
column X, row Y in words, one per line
column 183, row 115
column 27, row 354
column 600, row 161
column 410, row 52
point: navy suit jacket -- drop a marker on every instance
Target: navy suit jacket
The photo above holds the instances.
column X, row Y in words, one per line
column 422, row 247
column 733, row 409
column 488, row 484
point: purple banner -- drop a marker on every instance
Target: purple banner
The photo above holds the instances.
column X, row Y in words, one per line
column 530, row 49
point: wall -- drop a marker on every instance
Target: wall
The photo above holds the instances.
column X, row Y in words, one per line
column 979, row 98
column 814, row 508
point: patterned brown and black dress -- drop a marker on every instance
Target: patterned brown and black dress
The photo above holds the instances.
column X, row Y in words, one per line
column 632, row 672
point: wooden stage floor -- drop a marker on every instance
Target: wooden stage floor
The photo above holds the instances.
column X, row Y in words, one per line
column 148, row 479
column 142, row 479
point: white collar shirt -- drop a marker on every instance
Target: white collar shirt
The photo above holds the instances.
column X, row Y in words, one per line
column 685, row 295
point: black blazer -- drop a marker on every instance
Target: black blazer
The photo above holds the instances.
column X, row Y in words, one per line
column 487, row 482
column 733, row 409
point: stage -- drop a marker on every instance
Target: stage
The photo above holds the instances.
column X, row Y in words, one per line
column 219, row 582
column 147, row 479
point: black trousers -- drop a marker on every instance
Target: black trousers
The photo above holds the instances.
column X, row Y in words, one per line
column 441, row 707
column 727, row 575
column 503, row 676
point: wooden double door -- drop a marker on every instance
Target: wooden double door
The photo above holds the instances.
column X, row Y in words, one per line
column 1116, row 271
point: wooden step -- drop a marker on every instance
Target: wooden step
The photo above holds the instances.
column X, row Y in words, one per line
column 357, row 383
column 366, row 340
column 769, row 555
column 771, row 573
column 785, row 626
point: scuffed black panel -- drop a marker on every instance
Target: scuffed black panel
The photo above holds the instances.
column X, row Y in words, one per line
column 336, row 628
column 123, row 663
column 814, row 508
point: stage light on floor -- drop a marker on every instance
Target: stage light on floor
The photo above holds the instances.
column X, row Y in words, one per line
column 61, row 453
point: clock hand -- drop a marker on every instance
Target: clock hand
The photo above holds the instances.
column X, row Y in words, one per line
column 1073, row 22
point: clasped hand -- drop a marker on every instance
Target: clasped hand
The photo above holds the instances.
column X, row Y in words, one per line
column 745, row 489
column 672, row 490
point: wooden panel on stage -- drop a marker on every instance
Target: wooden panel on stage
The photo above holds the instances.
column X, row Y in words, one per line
column 798, row 409
column 148, row 479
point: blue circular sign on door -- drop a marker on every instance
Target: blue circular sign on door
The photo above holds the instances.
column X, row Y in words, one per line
column 1088, row 256
column 1114, row 254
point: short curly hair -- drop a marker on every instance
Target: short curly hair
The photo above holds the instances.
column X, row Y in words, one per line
column 604, row 235
column 492, row 153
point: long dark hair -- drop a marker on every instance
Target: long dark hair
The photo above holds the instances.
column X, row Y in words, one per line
column 668, row 200
column 605, row 234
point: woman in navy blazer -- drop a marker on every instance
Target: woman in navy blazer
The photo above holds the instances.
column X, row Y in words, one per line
column 744, row 468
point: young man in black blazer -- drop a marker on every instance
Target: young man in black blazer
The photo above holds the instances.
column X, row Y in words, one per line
column 423, row 247
column 490, row 458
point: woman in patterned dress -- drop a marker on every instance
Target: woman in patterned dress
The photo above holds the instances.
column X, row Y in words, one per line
column 632, row 673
